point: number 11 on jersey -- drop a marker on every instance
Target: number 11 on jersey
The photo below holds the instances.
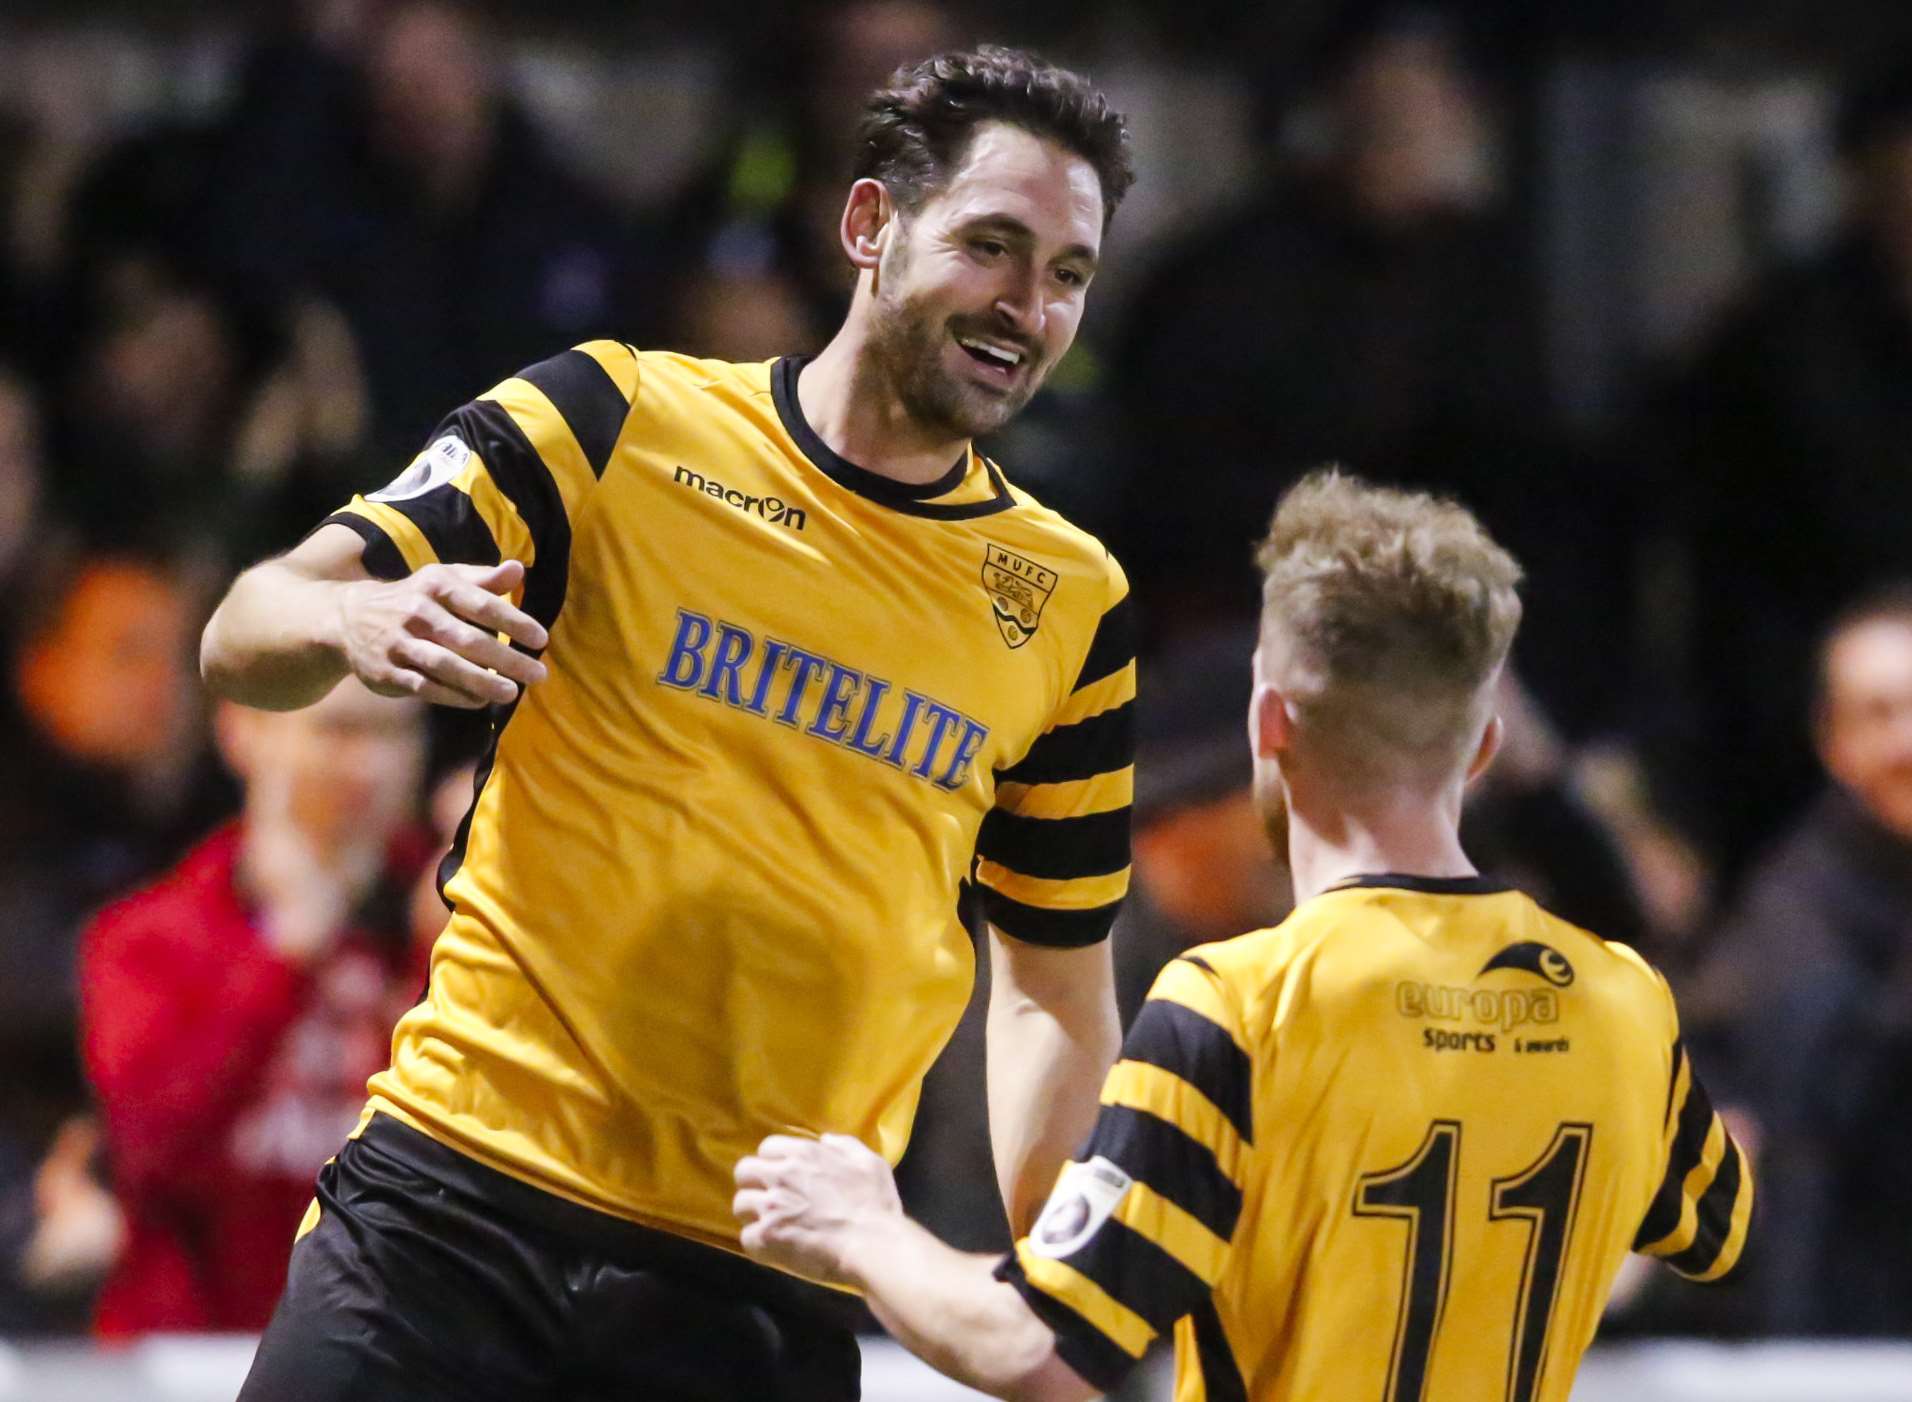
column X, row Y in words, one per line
column 1420, row 1193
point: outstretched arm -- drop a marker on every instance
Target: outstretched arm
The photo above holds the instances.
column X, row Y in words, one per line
column 291, row 627
column 828, row 1209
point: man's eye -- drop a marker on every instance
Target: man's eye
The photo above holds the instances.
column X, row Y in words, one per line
column 1070, row 277
column 990, row 248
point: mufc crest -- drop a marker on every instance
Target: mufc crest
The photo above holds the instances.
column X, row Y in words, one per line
column 1017, row 589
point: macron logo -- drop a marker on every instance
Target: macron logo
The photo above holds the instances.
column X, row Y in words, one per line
column 772, row 509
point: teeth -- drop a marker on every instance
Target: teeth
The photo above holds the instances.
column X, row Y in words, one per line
column 1001, row 354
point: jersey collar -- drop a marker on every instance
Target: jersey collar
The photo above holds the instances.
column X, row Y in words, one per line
column 914, row 500
column 1426, row 885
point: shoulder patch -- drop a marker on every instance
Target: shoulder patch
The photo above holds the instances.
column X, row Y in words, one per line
column 434, row 467
column 1086, row 1195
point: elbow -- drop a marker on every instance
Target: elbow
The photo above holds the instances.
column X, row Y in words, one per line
column 213, row 666
column 1050, row 1380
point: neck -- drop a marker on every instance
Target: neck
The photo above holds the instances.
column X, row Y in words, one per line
column 853, row 408
column 1328, row 844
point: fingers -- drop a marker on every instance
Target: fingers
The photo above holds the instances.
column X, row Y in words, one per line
column 436, row 673
column 479, row 647
column 469, row 599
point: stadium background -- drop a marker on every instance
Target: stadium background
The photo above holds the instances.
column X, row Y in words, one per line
column 1634, row 279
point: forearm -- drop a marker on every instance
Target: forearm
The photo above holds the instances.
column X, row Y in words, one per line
column 1048, row 1056
column 947, row 1308
column 277, row 639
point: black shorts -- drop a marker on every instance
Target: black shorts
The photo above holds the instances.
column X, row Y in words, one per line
column 430, row 1276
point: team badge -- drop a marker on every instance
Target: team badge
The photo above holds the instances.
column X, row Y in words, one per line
column 1085, row 1197
column 1017, row 589
column 1535, row 958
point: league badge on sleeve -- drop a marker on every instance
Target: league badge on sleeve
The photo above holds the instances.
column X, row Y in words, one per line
column 1017, row 589
column 434, row 467
column 1086, row 1196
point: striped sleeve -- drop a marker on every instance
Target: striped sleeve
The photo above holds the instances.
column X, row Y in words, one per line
column 505, row 475
column 1052, row 857
column 1699, row 1216
column 1137, row 1231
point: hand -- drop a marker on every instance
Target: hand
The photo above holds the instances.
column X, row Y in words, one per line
column 305, row 898
column 806, row 1203
column 434, row 635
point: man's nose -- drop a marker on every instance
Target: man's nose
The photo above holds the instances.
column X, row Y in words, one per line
column 1020, row 304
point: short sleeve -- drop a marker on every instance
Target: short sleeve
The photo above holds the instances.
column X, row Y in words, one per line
column 505, row 475
column 1700, row 1215
column 1139, row 1227
column 1053, row 854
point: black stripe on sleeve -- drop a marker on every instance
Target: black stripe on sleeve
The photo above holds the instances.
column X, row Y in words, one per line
column 587, row 399
column 1187, row 1045
column 1098, row 745
column 1035, row 924
column 1056, row 849
column 380, row 557
column 1178, row 1166
column 449, row 519
column 1137, row 1273
column 1715, row 1212
column 490, row 431
column 1113, row 646
column 1673, row 1076
column 1085, row 1348
column 1689, row 1143
column 1221, row 1374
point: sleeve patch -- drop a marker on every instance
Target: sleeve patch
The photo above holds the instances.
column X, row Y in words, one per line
column 1085, row 1196
column 433, row 468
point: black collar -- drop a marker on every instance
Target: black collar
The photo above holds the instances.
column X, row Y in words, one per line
column 915, row 500
column 1427, row 885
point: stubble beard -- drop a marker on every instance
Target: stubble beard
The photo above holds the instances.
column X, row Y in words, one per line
column 908, row 347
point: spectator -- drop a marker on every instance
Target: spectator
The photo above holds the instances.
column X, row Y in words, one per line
column 385, row 169
column 233, row 1011
column 1367, row 305
column 185, row 422
column 1813, row 980
column 1791, row 458
column 102, row 786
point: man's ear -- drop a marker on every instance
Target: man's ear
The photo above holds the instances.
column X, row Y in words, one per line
column 1270, row 728
column 1490, row 739
column 867, row 217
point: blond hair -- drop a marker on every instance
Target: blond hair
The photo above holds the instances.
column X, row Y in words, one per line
column 1386, row 615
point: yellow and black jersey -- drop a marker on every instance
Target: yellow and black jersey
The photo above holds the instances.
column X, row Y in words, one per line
column 796, row 714
column 1395, row 1148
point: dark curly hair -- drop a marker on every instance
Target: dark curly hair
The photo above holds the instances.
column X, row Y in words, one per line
column 915, row 131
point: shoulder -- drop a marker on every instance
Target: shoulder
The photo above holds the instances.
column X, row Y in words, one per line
column 1617, row 972
column 175, row 904
column 1053, row 538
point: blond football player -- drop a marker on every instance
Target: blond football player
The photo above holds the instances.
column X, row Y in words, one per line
column 1395, row 1148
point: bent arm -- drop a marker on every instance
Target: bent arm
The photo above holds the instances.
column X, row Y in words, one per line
column 291, row 628
column 277, row 640
column 1053, row 1034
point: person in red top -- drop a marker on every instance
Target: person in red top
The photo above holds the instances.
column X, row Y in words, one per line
column 231, row 1013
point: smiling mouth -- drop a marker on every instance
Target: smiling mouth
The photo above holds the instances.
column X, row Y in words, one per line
column 1004, row 359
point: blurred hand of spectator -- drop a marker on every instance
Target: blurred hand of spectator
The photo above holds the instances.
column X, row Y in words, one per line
column 78, row 1231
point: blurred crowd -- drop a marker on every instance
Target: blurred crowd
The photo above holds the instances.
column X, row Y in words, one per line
column 216, row 324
